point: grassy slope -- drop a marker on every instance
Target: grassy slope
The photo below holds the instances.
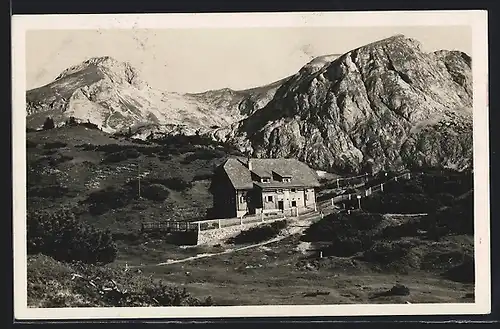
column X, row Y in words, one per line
column 280, row 273
column 75, row 173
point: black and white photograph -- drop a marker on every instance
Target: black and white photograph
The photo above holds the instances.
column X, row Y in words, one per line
column 250, row 164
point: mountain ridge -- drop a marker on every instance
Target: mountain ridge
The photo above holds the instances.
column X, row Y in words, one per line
column 383, row 105
column 363, row 109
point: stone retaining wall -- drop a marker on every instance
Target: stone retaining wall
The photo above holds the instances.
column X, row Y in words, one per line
column 215, row 236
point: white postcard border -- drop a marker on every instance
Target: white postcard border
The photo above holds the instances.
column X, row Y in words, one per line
column 476, row 19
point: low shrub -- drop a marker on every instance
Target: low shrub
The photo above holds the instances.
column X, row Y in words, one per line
column 59, row 158
column 259, row 233
column 347, row 234
column 60, row 235
column 109, row 198
column 121, row 155
column 386, row 252
column 202, row 154
column 176, row 183
column 457, row 218
column 464, row 272
column 31, row 144
column 48, row 191
column 55, row 284
column 204, row 176
column 54, row 145
column 401, row 203
column 155, row 192
column 396, row 290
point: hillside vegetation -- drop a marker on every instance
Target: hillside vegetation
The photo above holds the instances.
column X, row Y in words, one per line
column 382, row 234
column 96, row 176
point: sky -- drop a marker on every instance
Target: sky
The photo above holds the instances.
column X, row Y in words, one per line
column 196, row 60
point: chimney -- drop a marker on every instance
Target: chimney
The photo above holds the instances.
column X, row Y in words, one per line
column 249, row 164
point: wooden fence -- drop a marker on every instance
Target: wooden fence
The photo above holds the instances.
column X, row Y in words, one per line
column 204, row 225
column 366, row 192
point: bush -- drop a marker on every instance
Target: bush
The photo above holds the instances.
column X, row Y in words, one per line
column 59, row 158
column 464, row 273
column 202, row 154
column 177, row 183
column 121, row 156
column 60, row 235
column 400, row 203
column 199, row 177
column 385, row 252
column 55, row 284
column 31, row 144
column 347, row 234
column 259, row 233
column 90, row 125
column 155, row 192
column 109, row 198
column 457, row 218
column 47, row 191
column 48, row 124
column 71, row 122
column 54, row 145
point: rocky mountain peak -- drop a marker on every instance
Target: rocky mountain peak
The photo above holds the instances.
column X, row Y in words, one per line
column 387, row 104
column 116, row 71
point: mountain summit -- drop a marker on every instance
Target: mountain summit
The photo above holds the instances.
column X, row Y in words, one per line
column 384, row 105
column 112, row 95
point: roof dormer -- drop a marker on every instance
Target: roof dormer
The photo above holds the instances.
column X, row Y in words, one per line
column 282, row 176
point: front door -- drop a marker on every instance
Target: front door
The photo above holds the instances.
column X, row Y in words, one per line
column 280, row 205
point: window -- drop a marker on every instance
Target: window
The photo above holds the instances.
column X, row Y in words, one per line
column 294, row 190
column 294, row 203
column 286, row 180
column 279, row 191
column 265, row 180
column 269, row 198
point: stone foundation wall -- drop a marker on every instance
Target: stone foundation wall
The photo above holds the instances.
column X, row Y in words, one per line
column 215, row 236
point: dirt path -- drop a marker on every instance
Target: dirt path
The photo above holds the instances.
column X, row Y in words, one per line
column 292, row 230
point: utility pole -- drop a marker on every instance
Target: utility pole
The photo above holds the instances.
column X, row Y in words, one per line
column 139, row 178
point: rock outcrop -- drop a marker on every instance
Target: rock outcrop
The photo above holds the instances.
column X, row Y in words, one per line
column 112, row 95
column 386, row 105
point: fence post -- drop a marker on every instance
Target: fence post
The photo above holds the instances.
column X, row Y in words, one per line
column 241, row 220
column 382, row 187
column 219, row 223
column 349, row 196
column 332, row 201
column 337, row 183
column 396, row 178
column 262, row 215
column 199, row 226
column 177, row 225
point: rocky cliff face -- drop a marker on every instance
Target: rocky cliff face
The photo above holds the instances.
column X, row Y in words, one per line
column 112, row 95
column 384, row 105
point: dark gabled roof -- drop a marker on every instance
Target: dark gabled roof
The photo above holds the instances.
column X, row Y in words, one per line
column 262, row 173
column 239, row 175
column 282, row 173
